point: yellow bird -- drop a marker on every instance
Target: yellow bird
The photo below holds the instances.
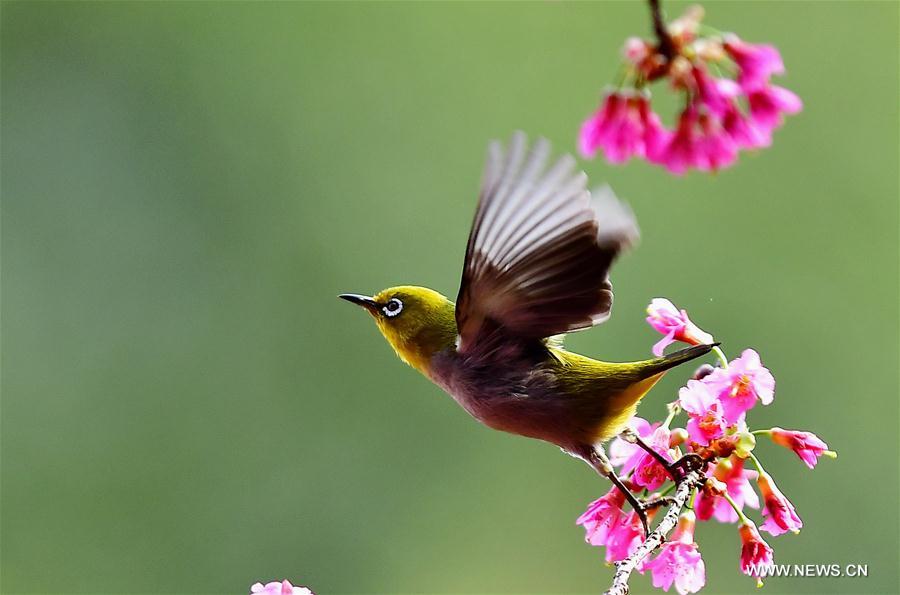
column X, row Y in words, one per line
column 536, row 267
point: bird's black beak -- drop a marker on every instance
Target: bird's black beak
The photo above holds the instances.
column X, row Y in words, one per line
column 361, row 300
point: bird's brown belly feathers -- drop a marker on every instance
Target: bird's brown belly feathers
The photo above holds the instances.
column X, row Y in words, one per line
column 533, row 402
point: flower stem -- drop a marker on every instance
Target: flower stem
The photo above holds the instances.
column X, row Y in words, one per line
column 761, row 432
column 740, row 513
column 711, row 31
column 665, row 46
column 721, row 355
column 674, row 409
column 756, row 463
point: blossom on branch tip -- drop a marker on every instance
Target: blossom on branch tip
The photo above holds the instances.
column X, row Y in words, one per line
column 679, row 560
column 737, row 108
column 778, row 510
column 807, row 445
column 664, row 317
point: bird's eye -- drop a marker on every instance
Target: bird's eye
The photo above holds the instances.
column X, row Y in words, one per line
column 392, row 308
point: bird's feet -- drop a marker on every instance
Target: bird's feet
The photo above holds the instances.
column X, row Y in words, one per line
column 685, row 465
column 678, row 469
column 642, row 507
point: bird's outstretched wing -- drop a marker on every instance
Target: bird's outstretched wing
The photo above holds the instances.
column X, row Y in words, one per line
column 540, row 249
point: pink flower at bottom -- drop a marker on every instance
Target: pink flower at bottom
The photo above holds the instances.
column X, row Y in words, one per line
column 807, row 445
column 625, row 538
column 665, row 318
column 679, row 560
column 275, row 588
column 780, row 513
column 755, row 552
column 602, row 517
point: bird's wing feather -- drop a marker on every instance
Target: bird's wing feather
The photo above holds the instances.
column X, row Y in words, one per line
column 539, row 252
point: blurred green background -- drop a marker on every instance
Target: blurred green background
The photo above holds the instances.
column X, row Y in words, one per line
column 187, row 186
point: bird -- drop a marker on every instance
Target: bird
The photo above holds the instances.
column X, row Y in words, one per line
column 536, row 267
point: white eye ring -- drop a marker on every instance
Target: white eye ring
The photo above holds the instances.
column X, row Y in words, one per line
column 392, row 308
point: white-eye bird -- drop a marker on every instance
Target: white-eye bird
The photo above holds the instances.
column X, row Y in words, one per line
column 536, row 267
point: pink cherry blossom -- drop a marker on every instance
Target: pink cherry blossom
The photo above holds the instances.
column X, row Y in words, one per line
column 602, row 517
column 807, row 445
column 595, row 131
column 743, row 131
column 755, row 552
column 707, row 421
column 679, row 560
column 756, row 62
column 623, row 127
column 780, row 513
column 664, row 317
column 716, row 94
column 626, row 455
column 276, row 588
column 681, row 152
column 737, row 481
column 716, row 149
column 713, row 126
column 648, row 472
column 768, row 106
column 624, row 538
column 741, row 384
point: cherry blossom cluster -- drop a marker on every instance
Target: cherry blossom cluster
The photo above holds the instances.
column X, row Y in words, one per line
column 716, row 402
column 729, row 103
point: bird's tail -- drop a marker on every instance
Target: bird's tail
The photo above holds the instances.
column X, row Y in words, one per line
column 661, row 364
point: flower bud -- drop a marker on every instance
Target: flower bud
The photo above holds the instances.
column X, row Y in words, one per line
column 703, row 371
column 806, row 445
column 635, row 50
column 755, row 552
column 663, row 316
column 678, row 436
column 780, row 513
column 744, row 444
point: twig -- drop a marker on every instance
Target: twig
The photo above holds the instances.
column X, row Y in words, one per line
column 625, row 567
column 665, row 45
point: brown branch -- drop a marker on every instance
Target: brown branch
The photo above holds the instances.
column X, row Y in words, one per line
column 625, row 567
column 665, row 45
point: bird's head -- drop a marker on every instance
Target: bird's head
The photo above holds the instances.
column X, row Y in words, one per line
column 418, row 322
